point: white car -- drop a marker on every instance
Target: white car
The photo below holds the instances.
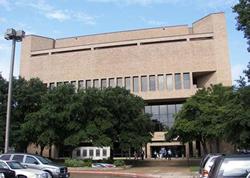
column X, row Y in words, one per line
column 22, row 171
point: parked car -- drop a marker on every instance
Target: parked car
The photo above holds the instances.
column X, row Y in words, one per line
column 206, row 164
column 6, row 173
column 23, row 172
column 38, row 162
column 231, row 166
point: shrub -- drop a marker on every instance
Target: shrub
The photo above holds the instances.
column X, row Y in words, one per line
column 119, row 163
column 87, row 163
column 78, row 163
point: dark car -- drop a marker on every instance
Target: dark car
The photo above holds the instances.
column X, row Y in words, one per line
column 7, row 173
column 230, row 166
column 204, row 161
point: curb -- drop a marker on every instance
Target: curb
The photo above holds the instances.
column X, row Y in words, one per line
column 135, row 175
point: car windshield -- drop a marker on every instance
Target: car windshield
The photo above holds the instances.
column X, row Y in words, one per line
column 44, row 160
column 236, row 167
column 15, row 165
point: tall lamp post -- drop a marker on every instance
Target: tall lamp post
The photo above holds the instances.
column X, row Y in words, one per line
column 15, row 36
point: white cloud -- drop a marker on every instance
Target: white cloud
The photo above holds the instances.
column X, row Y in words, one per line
column 84, row 18
column 58, row 15
column 153, row 22
column 61, row 15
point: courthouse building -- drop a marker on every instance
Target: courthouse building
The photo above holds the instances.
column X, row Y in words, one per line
column 164, row 66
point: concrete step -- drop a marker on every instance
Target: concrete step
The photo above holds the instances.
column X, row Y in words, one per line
column 164, row 162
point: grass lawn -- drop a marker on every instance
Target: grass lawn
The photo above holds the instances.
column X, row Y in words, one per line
column 194, row 168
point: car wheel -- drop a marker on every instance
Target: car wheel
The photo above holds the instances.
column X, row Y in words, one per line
column 21, row 176
column 50, row 174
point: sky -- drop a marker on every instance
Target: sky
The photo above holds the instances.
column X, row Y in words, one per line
column 67, row 18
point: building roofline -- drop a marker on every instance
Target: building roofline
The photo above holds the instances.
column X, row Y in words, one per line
column 207, row 16
column 133, row 30
column 105, row 33
column 30, row 35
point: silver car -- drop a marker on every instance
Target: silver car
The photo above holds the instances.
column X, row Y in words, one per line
column 38, row 162
column 22, row 171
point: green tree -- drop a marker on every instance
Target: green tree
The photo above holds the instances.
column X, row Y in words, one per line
column 130, row 126
column 26, row 99
column 243, row 18
column 237, row 127
column 202, row 116
column 89, row 119
column 108, row 117
column 239, row 119
column 3, row 108
column 49, row 124
column 247, row 72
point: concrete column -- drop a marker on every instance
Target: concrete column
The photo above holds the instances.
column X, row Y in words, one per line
column 148, row 150
column 187, row 150
column 195, row 152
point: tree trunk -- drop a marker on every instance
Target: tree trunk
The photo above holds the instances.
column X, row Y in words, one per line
column 204, row 146
column 41, row 149
column 111, row 154
column 217, row 145
column 50, row 150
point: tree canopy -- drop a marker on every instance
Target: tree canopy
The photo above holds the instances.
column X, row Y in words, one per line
column 202, row 116
column 61, row 116
column 243, row 18
column 216, row 112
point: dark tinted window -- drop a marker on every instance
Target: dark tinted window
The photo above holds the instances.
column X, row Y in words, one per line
column 5, row 157
column 144, row 83
column 152, row 83
column 18, row 158
column 104, row 152
column 98, row 152
column 15, row 165
column 84, row 153
column 186, row 81
column 78, row 153
column 177, row 79
column 30, row 160
column 119, row 82
column 91, row 153
column 127, row 83
column 204, row 161
column 3, row 165
column 135, row 84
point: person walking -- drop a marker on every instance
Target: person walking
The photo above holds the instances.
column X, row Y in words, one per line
column 142, row 155
column 155, row 154
column 169, row 154
column 135, row 155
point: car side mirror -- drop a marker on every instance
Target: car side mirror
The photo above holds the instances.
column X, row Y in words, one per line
column 36, row 162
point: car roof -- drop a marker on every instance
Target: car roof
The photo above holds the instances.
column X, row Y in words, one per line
column 236, row 156
column 7, row 161
column 29, row 154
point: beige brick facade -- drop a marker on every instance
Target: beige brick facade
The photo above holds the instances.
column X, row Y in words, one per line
column 200, row 51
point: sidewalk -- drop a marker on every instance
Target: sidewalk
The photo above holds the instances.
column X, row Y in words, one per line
column 140, row 172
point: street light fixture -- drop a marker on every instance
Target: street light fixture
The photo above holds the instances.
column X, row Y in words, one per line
column 15, row 36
